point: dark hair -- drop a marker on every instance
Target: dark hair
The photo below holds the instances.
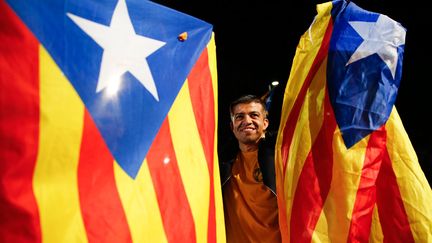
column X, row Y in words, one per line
column 246, row 99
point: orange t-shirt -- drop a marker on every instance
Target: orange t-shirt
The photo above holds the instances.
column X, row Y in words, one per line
column 251, row 212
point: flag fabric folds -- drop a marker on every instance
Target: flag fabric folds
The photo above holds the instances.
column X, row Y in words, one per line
column 108, row 124
column 345, row 168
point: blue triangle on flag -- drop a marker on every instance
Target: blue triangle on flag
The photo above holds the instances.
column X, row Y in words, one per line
column 130, row 119
column 363, row 92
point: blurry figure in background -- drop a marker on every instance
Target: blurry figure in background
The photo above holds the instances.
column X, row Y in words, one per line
column 248, row 179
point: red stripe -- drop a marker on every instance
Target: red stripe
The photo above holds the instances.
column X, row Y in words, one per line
column 314, row 181
column 293, row 116
column 283, row 224
column 366, row 194
column 102, row 211
column 19, row 129
column 173, row 204
column 392, row 214
column 202, row 98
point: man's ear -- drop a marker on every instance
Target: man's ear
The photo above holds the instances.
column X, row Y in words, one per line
column 266, row 123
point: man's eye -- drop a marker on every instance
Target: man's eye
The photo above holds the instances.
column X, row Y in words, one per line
column 239, row 117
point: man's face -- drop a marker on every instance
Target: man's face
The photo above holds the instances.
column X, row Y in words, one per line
column 248, row 122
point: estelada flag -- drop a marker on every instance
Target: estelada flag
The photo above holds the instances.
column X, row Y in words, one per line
column 108, row 123
column 346, row 170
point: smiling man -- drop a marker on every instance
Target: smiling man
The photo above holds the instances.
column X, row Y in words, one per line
column 248, row 180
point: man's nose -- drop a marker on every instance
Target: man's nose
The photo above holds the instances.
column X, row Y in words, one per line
column 247, row 119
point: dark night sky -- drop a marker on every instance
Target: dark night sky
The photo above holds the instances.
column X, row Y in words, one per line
column 256, row 42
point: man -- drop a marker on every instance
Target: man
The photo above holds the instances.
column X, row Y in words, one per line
column 248, row 180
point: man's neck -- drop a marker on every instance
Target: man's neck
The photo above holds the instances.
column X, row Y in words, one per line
column 248, row 147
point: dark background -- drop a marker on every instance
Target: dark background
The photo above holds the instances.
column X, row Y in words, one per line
column 256, row 42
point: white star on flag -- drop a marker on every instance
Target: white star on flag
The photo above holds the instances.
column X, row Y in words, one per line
column 124, row 50
column 381, row 37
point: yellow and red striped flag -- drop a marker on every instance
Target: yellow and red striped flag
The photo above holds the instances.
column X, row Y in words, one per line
column 345, row 168
column 108, row 124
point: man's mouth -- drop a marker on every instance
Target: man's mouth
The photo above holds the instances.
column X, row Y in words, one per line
column 247, row 129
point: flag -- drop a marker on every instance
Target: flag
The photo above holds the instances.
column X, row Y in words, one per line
column 345, row 168
column 108, row 124
column 268, row 96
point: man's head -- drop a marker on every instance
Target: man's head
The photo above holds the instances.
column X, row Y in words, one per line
column 248, row 120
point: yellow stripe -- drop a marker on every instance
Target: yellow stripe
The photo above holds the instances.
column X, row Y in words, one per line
column 138, row 196
column 346, row 171
column 191, row 160
column 306, row 52
column 339, row 204
column 140, row 204
column 55, row 180
column 307, row 49
column 346, row 168
column 220, row 222
column 376, row 234
column 414, row 188
column 306, row 131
